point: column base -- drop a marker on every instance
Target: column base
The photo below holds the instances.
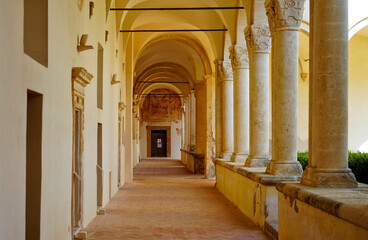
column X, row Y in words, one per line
column 238, row 157
column 284, row 168
column 329, row 178
column 255, row 162
column 226, row 155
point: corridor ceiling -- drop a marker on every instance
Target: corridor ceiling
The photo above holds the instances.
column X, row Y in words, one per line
column 177, row 58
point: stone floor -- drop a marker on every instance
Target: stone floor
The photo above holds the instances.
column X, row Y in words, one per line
column 165, row 201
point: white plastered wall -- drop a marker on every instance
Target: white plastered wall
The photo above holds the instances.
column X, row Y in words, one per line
column 19, row 73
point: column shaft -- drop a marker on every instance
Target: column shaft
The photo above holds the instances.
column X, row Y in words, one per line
column 240, row 66
column 330, row 98
column 258, row 40
column 192, row 120
column 187, row 124
column 227, row 111
column 286, row 26
column 218, row 110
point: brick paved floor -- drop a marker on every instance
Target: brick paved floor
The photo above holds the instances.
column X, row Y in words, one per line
column 165, row 201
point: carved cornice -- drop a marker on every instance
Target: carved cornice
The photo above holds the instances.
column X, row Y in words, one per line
column 239, row 57
column 227, row 71
column 285, row 14
column 258, row 38
column 121, row 106
column 81, row 76
column 80, row 79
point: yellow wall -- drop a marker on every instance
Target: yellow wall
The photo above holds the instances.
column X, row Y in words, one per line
column 256, row 201
column 298, row 220
column 358, row 85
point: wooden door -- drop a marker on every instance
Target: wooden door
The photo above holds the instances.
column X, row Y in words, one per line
column 159, row 143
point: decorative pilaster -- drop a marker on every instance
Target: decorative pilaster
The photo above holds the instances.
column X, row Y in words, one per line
column 285, row 17
column 240, row 66
column 227, row 110
column 193, row 128
column 80, row 79
column 329, row 136
column 259, row 46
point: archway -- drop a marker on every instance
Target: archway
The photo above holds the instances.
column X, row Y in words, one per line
column 160, row 123
column 358, row 98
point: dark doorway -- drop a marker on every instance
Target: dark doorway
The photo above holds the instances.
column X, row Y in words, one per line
column 158, row 143
column 99, row 167
column 33, row 165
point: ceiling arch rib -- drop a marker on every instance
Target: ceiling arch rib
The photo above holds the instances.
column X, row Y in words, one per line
column 211, row 42
column 169, row 51
column 165, row 73
column 192, row 48
column 206, row 18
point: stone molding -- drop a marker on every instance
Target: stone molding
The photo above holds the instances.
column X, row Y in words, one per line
column 345, row 203
column 80, row 78
column 256, row 174
column 121, row 106
column 285, row 14
column 239, row 57
column 258, row 38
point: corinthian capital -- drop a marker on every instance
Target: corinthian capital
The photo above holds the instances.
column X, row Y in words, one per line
column 258, row 38
column 239, row 57
column 226, row 71
column 285, row 14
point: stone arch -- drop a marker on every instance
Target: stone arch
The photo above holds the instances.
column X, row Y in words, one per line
column 191, row 42
column 155, row 86
column 357, row 27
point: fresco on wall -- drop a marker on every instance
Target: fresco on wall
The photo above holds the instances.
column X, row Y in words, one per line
column 161, row 105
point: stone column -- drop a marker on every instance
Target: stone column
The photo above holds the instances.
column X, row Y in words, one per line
column 218, row 110
column 187, row 124
column 182, row 126
column 259, row 46
column 285, row 18
column 192, row 101
column 240, row 65
column 330, row 97
column 227, row 110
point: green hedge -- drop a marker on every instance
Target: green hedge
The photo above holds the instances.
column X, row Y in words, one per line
column 358, row 163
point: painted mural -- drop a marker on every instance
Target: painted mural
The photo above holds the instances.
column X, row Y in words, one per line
column 161, row 105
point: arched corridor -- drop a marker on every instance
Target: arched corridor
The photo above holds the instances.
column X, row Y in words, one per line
column 166, row 201
column 194, row 119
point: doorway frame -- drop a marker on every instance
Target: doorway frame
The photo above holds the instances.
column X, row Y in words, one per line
column 168, row 138
column 80, row 79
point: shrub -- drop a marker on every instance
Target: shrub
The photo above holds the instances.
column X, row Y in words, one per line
column 303, row 158
column 358, row 163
